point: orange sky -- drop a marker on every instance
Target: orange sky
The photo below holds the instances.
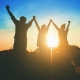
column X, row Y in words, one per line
column 7, row 36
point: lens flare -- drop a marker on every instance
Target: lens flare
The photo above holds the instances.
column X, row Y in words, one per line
column 52, row 41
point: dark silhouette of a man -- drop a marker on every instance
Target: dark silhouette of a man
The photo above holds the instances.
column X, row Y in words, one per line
column 20, row 38
column 41, row 41
column 62, row 32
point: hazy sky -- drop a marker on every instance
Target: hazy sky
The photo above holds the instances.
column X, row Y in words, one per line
column 60, row 11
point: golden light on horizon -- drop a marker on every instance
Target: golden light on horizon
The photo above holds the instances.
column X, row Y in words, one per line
column 52, row 41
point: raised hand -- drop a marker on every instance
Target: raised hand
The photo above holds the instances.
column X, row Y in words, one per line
column 7, row 7
column 69, row 21
column 34, row 17
column 50, row 20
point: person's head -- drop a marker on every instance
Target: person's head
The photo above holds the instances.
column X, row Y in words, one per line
column 22, row 19
column 63, row 26
column 43, row 26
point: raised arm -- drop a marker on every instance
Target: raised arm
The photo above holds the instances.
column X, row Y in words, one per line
column 30, row 22
column 68, row 26
column 55, row 25
column 48, row 25
column 11, row 15
column 37, row 25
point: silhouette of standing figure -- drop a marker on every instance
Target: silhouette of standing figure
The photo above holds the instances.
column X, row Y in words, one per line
column 20, row 38
column 41, row 41
column 62, row 34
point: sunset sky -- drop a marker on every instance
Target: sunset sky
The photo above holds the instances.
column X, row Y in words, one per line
column 60, row 11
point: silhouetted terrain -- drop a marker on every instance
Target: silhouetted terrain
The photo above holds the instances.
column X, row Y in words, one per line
column 37, row 66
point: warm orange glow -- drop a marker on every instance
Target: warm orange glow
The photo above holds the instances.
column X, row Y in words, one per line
column 52, row 41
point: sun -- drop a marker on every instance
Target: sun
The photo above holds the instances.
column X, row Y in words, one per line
column 52, row 41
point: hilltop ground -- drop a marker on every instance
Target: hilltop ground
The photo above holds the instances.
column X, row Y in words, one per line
column 62, row 65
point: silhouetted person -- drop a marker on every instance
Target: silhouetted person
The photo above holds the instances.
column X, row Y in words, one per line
column 41, row 41
column 62, row 32
column 20, row 38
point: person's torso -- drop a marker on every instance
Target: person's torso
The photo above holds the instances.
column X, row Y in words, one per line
column 21, row 31
column 42, row 36
column 62, row 35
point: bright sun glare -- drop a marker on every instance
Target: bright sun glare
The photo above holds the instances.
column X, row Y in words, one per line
column 52, row 41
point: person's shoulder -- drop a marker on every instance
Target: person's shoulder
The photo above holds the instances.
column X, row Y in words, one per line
column 59, row 29
column 17, row 21
column 27, row 25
